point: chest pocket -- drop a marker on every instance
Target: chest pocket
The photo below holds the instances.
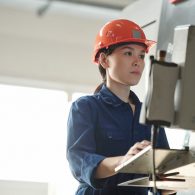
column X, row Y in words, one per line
column 117, row 143
column 115, row 136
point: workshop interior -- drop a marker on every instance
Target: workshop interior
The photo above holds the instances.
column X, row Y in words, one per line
column 46, row 48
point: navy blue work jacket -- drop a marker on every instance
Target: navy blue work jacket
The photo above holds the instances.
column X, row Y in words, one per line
column 101, row 126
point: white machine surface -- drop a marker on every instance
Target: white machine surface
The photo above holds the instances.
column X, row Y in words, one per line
column 175, row 169
column 177, row 183
column 166, row 160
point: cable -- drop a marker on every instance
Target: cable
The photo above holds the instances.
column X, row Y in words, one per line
column 154, row 133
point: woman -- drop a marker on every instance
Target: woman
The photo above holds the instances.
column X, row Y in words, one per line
column 104, row 129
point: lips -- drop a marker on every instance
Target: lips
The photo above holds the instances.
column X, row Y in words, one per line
column 135, row 72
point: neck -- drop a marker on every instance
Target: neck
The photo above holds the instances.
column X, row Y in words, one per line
column 120, row 90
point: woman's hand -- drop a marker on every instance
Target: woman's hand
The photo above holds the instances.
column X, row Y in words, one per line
column 136, row 148
column 106, row 168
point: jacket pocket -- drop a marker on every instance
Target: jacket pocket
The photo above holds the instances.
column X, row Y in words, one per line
column 112, row 136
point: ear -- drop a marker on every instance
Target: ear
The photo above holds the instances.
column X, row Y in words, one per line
column 103, row 60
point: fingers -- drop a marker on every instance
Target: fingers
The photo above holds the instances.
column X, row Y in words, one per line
column 146, row 142
column 133, row 151
column 141, row 145
column 137, row 147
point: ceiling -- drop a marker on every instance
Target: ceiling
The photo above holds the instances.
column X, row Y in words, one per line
column 112, row 4
column 108, row 4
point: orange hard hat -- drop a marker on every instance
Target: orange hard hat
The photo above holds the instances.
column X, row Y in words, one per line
column 119, row 31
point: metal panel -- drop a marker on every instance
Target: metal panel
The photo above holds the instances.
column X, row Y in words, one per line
column 167, row 185
column 173, row 15
column 183, row 55
column 165, row 160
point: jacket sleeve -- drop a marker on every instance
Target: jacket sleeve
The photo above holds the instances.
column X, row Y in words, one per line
column 81, row 144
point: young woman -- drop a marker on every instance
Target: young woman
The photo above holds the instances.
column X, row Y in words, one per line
column 104, row 129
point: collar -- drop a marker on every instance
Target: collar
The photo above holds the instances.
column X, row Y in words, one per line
column 110, row 98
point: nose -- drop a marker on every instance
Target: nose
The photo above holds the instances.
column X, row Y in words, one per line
column 136, row 61
column 135, row 64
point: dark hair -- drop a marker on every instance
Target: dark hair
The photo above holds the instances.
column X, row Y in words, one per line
column 108, row 51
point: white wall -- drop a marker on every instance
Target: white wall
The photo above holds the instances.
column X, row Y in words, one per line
column 24, row 188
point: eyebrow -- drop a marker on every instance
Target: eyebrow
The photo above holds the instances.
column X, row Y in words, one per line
column 129, row 47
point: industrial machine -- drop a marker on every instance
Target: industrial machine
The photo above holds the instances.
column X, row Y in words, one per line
column 170, row 103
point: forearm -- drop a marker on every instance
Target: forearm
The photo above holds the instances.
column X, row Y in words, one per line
column 107, row 166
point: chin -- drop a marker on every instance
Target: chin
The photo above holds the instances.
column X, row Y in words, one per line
column 130, row 82
column 133, row 83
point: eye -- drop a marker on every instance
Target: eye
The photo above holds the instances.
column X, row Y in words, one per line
column 128, row 53
column 142, row 56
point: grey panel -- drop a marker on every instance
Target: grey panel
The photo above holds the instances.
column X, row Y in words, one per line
column 173, row 15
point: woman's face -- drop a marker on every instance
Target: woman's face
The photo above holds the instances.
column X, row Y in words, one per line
column 125, row 65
